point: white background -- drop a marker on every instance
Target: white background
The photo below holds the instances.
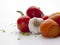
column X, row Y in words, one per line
column 8, row 15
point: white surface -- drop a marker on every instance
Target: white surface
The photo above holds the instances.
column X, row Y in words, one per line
column 8, row 15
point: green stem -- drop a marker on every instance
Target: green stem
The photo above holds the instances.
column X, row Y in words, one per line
column 20, row 12
column 39, row 7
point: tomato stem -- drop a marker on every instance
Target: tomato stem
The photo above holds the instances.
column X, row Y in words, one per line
column 20, row 12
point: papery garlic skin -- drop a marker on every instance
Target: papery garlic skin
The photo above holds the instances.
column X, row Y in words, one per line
column 35, row 29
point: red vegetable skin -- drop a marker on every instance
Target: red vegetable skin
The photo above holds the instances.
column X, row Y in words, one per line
column 45, row 17
column 22, row 23
column 34, row 12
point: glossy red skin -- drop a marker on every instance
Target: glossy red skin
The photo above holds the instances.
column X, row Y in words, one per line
column 45, row 17
column 34, row 12
column 22, row 23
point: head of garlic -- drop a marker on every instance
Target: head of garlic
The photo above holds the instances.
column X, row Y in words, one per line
column 34, row 25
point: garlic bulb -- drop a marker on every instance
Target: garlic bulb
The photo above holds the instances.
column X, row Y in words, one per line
column 34, row 25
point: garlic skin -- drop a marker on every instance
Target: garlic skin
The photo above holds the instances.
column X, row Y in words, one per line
column 34, row 25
